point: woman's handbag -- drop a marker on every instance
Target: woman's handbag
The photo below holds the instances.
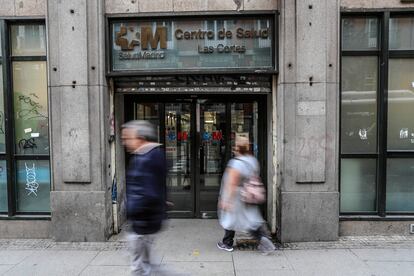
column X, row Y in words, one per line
column 252, row 190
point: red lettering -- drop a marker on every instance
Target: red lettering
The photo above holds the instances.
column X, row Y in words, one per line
column 217, row 135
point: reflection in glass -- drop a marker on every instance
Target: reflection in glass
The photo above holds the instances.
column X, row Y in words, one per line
column 358, row 185
column 3, row 186
column 401, row 104
column 244, row 122
column 33, row 186
column 2, row 118
column 212, row 152
column 178, row 144
column 28, row 40
column 402, row 33
column 148, row 112
column 359, row 33
column 30, row 107
column 359, row 105
column 400, row 187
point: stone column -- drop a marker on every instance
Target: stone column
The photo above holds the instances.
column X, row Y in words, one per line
column 308, row 93
column 80, row 200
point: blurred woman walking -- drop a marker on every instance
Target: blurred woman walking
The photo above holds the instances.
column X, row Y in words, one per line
column 237, row 209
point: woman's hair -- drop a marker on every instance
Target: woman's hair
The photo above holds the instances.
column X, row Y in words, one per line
column 242, row 145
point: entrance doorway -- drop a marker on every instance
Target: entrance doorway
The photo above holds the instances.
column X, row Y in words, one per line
column 198, row 133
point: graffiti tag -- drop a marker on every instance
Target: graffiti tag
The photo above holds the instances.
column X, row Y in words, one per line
column 31, row 182
column 27, row 144
column 33, row 111
column 1, row 122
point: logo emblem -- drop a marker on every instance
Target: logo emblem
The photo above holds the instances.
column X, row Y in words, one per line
column 144, row 39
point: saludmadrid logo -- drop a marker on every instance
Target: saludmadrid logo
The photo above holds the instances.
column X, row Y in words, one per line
column 147, row 40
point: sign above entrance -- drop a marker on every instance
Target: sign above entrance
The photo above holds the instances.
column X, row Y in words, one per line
column 193, row 44
column 194, row 84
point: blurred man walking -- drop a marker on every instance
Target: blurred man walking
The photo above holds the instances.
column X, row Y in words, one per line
column 145, row 191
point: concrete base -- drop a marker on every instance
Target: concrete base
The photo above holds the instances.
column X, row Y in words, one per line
column 25, row 229
column 371, row 228
column 78, row 216
column 309, row 216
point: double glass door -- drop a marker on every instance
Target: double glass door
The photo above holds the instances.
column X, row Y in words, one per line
column 198, row 136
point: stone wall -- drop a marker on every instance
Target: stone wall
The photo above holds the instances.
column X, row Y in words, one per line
column 156, row 6
column 25, row 229
column 23, row 7
column 307, row 99
column 375, row 4
column 371, row 228
column 80, row 200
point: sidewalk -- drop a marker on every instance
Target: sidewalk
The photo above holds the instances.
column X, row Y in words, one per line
column 189, row 246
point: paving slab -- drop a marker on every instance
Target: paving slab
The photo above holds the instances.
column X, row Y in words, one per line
column 198, row 242
column 265, row 272
column 191, row 249
column 393, row 254
column 12, row 257
column 199, row 268
column 52, row 262
column 244, row 260
column 106, row 270
column 120, row 258
column 4, row 268
column 197, row 254
column 326, row 262
column 391, row 268
column 111, row 258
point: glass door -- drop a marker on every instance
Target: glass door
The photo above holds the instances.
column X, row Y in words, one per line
column 212, row 131
column 245, row 123
column 178, row 152
column 198, row 136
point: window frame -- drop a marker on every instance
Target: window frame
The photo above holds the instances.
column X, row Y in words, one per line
column 383, row 154
column 11, row 156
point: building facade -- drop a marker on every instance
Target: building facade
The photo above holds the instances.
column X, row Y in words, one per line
column 320, row 88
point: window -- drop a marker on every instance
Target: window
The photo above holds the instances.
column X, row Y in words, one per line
column 377, row 107
column 24, row 140
column 3, row 168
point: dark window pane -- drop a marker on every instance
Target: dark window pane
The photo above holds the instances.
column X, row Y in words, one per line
column 28, row 40
column 359, row 105
column 402, row 33
column 401, row 104
column 400, row 187
column 359, row 34
column 3, row 186
column 2, row 118
column 33, row 186
column 30, row 107
column 358, row 185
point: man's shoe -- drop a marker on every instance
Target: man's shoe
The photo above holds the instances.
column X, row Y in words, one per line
column 223, row 246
